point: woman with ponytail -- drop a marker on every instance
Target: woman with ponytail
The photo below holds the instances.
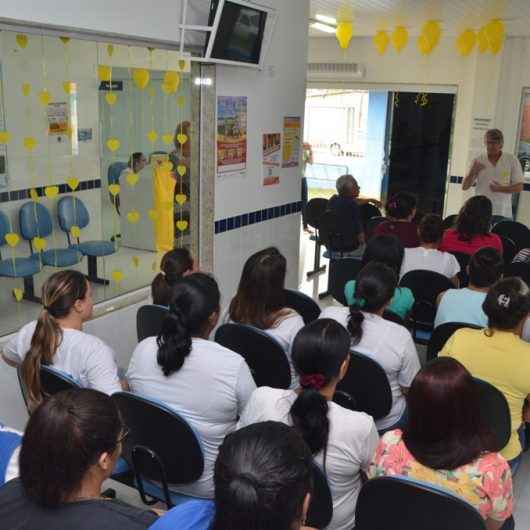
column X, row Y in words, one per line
column 57, row 339
column 386, row 342
column 342, row 441
column 207, row 384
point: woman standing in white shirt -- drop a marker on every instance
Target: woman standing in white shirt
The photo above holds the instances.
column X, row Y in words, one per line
column 260, row 300
column 57, row 339
column 341, row 440
column 207, row 384
column 386, row 342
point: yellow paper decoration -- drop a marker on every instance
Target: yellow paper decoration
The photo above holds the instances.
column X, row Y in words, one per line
column 180, row 198
column 111, row 98
column 466, row 42
column 166, row 166
column 110, row 49
column 181, row 170
column 75, row 231
column 167, row 138
column 117, row 275
column 26, row 89
column 18, row 293
column 135, row 261
column 171, row 77
column 183, row 65
column 104, row 72
column 114, row 189
column 34, row 195
column 132, row 179
column 168, row 89
column 68, row 87
column 39, row 243
column 152, row 136
column 182, row 138
column 344, row 34
column 44, row 97
column 113, row 144
column 432, row 32
column 133, row 216
column 153, row 215
column 4, row 137
column 381, row 41
column 22, row 40
column 181, row 101
column 12, row 239
column 51, row 191
column 141, row 77
column 73, row 183
column 65, row 40
column 400, row 38
column 495, row 34
column 424, row 45
column 496, row 46
column 182, row 225
column 482, row 40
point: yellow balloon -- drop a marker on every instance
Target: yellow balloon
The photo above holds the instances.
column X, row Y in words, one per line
column 111, row 98
column 73, row 183
column 495, row 34
column 141, row 77
column 133, row 216
column 431, row 30
column 117, row 276
column 39, row 243
column 344, row 34
column 400, row 38
column 18, row 293
column 466, row 42
column 172, row 78
column 496, row 46
column 12, row 239
column 482, row 40
column 5, row 136
column 381, row 41
column 22, row 40
column 424, row 45
column 104, row 72
column 152, row 136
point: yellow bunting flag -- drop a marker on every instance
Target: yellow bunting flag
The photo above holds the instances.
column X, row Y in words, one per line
column 12, row 239
column 51, row 191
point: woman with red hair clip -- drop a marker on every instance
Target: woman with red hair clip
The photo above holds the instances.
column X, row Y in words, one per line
column 400, row 212
column 342, row 441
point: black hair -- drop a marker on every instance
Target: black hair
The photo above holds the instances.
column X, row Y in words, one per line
column 401, row 205
column 374, row 288
column 196, row 298
column 430, row 229
column 385, row 249
column 507, row 304
column 319, row 349
column 174, row 264
column 262, row 476
column 474, row 218
column 485, row 267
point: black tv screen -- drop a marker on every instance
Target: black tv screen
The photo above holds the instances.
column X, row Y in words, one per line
column 240, row 33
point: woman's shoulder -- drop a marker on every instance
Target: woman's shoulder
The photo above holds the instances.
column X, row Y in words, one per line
column 349, row 420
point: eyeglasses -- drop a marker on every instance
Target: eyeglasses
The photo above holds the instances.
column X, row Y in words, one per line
column 125, row 433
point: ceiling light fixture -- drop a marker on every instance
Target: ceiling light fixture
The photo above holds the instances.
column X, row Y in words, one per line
column 323, row 27
column 326, row 20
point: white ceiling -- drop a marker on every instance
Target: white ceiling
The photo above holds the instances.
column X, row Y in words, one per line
column 454, row 15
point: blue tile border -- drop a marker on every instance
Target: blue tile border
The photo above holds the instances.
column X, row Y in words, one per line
column 259, row 216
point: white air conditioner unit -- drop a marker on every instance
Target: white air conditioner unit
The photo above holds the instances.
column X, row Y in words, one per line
column 335, row 71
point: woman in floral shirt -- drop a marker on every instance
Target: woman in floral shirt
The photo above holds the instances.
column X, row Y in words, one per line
column 447, row 445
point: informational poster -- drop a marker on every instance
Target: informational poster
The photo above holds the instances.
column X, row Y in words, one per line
column 57, row 118
column 291, row 141
column 271, row 158
column 231, row 135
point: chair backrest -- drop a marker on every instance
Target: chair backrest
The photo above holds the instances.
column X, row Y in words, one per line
column 449, row 221
column 53, row 381
column 495, row 219
column 321, row 507
column 72, row 211
column 519, row 269
column 304, row 305
column 463, row 261
column 509, row 250
column 368, row 211
column 495, row 412
column 5, row 228
column 155, row 426
column 264, row 355
column 149, row 320
column 314, row 210
column 114, row 171
column 402, row 504
column 367, row 384
column 35, row 220
column 441, row 335
column 515, row 231
column 341, row 271
column 336, row 233
column 372, row 224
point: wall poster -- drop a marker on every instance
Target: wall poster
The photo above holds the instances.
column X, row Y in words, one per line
column 231, row 135
column 271, row 159
column 291, row 141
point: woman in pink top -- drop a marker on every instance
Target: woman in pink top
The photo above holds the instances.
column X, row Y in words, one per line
column 472, row 231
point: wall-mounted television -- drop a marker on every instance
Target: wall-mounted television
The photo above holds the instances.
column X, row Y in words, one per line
column 239, row 29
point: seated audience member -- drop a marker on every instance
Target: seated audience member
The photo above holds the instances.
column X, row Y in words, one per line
column 175, row 264
column 263, row 481
column 498, row 355
column 390, row 251
column 427, row 256
column 260, row 300
column 472, row 230
column 10, row 441
column 445, row 443
column 57, row 339
column 71, row 445
column 207, row 384
column 400, row 210
column 386, row 342
column 523, row 256
column 342, row 441
column 465, row 305
column 137, row 161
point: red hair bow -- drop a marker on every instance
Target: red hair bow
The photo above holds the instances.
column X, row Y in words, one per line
column 314, row 381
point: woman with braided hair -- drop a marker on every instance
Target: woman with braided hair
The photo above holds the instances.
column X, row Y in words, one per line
column 342, row 441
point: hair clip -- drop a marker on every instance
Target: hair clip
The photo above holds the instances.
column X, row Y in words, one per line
column 503, row 300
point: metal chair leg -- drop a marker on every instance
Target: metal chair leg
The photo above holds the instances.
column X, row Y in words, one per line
column 29, row 290
column 317, row 269
column 92, row 275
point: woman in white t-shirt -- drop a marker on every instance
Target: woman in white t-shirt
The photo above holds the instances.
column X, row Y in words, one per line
column 427, row 256
column 386, row 342
column 207, row 384
column 57, row 339
column 260, row 300
column 341, row 440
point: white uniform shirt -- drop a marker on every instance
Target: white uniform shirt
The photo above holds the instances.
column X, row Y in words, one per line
column 209, row 391
column 430, row 259
column 389, row 344
column 87, row 359
column 352, row 442
column 507, row 171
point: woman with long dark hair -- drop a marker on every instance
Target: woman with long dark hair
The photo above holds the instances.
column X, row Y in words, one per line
column 70, row 447
column 446, row 443
column 342, row 441
column 57, row 339
column 204, row 382
column 386, row 342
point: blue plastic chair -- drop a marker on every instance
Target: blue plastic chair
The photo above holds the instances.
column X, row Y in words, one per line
column 72, row 211
column 35, row 221
column 19, row 267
